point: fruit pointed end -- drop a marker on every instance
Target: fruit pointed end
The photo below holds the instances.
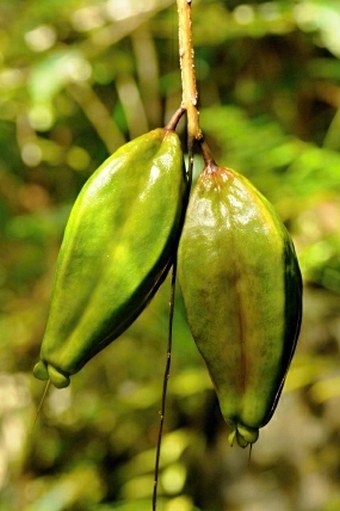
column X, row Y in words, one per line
column 231, row 437
column 44, row 371
column 58, row 379
column 40, row 371
column 246, row 435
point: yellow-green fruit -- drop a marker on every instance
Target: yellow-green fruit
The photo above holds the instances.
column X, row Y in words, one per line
column 242, row 291
column 119, row 243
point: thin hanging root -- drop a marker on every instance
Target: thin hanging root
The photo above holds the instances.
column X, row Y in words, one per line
column 41, row 403
column 165, row 386
column 249, row 454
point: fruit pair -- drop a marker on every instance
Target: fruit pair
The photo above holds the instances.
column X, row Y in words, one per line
column 237, row 269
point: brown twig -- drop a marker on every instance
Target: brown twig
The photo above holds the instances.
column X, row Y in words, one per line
column 188, row 75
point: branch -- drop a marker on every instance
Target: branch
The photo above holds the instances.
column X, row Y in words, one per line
column 188, row 75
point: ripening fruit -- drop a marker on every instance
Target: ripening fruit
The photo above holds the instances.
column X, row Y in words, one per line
column 242, row 291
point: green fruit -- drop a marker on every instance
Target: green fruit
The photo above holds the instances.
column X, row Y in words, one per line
column 242, row 291
column 119, row 243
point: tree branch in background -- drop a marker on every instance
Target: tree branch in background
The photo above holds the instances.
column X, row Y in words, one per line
column 98, row 115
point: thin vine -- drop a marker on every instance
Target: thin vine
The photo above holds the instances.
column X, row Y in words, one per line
column 165, row 386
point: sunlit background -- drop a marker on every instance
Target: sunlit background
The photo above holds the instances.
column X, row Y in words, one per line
column 77, row 79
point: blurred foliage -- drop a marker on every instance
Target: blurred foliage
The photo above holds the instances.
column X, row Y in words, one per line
column 77, row 79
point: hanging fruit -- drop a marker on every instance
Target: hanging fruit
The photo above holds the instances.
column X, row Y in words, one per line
column 119, row 243
column 242, row 291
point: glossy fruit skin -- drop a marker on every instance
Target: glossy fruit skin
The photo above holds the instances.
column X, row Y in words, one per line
column 242, row 291
column 118, row 245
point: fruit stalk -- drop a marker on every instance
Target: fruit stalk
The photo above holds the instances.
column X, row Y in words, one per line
column 187, row 65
